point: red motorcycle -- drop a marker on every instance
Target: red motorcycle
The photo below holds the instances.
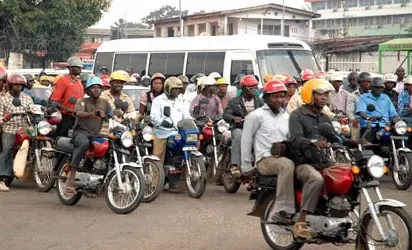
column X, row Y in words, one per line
column 336, row 219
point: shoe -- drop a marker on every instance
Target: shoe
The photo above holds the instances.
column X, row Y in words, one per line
column 235, row 171
column 301, row 230
column 282, row 218
column 3, row 187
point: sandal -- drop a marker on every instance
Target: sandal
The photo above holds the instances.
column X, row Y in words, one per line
column 71, row 190
column 301, row 230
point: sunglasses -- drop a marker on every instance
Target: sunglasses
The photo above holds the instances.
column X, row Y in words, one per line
column 251, row 88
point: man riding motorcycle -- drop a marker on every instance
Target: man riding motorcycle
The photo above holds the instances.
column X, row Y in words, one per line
column 236, row 111
column 383, row 108
column 146, row 99
column 390, row 82
column 68, row 89
column 263, row 127
column 3, row 80
column 89, row 114
column 11, row 124
column 404, row 102
column 224, row 96
column 352, row 82
column 164, row 126
column 207, row 103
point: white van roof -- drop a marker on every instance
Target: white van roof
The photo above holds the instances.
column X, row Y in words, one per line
column 200, row 43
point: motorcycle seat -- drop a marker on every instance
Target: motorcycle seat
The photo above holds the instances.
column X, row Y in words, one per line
column 65, row 144
column 267, row 180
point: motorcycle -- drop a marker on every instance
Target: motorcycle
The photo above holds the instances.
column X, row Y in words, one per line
column 182, row 159
column 104, row 169
column 29, row 147
column 393, row 148
column 336, row 219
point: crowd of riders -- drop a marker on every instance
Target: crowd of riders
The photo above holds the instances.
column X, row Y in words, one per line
column 273, row 126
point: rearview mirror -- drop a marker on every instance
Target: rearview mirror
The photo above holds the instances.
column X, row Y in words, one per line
column 16, row 102
column 166, row 111
column 370, row 107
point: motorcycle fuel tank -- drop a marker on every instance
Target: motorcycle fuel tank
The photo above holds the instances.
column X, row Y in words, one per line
column 338, row 179
column 98, row 147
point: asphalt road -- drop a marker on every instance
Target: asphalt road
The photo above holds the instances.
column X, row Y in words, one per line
column 33, row 220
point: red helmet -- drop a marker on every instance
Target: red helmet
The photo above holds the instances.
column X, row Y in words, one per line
column 104, row 77
column 157, row 76
column 16, row 79
column 290, row 80
column 320, row 75
column 306, row 75
column 248, row 81
column 55, row 118
column 274, row 86
column 3, row 73
column 106, row 82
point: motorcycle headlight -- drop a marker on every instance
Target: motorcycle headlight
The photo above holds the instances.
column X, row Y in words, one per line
column 401, row 127
column 376, row 166
column 337, row 127
column 222, row 126
column 147, row 133
column 127, row 139
column 44, row 128
column 192, row 138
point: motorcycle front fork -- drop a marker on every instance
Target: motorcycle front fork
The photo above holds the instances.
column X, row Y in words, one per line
column 117, row 169
column 395, row 154
column 214, row 152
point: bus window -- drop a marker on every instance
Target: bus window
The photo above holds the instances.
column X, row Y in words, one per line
column 169, row 64
column 240, row 67
column 157, row 63
column 103, row 59
column 204, row 62
column 138, row 63
column 121, row 62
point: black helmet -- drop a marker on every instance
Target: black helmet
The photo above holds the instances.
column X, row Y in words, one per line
column 377, row 82
column 364, row 77
column 238, row 78
column 352, row 75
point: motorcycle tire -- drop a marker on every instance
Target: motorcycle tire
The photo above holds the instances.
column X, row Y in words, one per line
column 155, row 186
column 138, row 197
column 403, row 184
column 230, row 183
column 198, row 165
column 50, row 162
column 367, row 219
column 267, row 230
column 66, row 199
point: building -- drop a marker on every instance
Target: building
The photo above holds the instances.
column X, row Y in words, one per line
column 263, row 19
column 96, row 35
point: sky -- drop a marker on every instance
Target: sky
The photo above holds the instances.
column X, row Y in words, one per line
column 135, row 10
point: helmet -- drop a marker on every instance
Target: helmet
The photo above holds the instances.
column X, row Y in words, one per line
column 57, row 78
column 16, row 79
column 238, row 78
column 172, row 83
column 377, row 82
column 314, row 85
column 352, row 75
column 336, row 77
column 119, row 75
column 306, row 75
column 267, row 78
column 132, row 79
column 408, row 80
column 215, row 75
column 93, row 80
column 290, row 80
column 320, row 75
column 3, row 73
column 105, row 82
column 222, row 81
column 364, row 77
column 55, row 118
column 274, row 86
column 104, row 77
column 183, row 79
column 135, row 75
column 44, row 78
column 74, row 61
column 248, row 81
column 29, row 77
column 157, row 76
column 145, row 81
column 208, row 81
column 389, row 78
column 279, row 77
column 194, row 78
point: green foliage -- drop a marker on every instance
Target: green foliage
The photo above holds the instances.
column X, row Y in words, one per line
column 164, row 12
column 55, row 26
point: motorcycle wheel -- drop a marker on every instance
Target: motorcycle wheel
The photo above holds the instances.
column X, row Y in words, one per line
column 230, row 183
column 273, row 233
column 196, row 182
column 64, row 197
column 43, row 174
column 155, row 179
column 403, row 178
column 370, row 237
column 134, row 184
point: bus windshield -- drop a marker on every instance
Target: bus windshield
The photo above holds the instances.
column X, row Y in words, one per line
column 291, row 62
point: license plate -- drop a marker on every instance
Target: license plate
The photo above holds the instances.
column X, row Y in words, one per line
column 189, row 148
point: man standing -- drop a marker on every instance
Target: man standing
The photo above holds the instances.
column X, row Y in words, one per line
column 338, row 98
column 207, row 103
column 390, row 82
column 68, row 90
column 352, row 82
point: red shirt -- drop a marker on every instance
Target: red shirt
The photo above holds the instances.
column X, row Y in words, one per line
column 67, row 87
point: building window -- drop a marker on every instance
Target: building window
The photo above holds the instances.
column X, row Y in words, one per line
column 213, row 31
column 381, row 2
column 202, row 28
column 159, row 32
column 170, row 32
column 366, row 3
column 204, row 62
column 400, row 1
column 170, row 64
column 350, row 3
column 318, row 6
column 333, row 4
column 191, row 30
column 230, row 29
column 353, row 22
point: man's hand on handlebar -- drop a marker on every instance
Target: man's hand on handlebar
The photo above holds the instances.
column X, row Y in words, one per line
column 238, row 120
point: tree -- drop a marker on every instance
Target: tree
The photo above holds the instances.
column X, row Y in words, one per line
column 164, row 12
column 55, row 26
column 118, row 30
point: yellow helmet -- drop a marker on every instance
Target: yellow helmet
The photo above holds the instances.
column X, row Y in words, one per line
column 119, row 75
column 172, row 83
column 314, row 85
column 44, row 78
column 267, row 78
column 222, row 81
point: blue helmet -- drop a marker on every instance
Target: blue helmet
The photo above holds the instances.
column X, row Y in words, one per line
column 93, row 80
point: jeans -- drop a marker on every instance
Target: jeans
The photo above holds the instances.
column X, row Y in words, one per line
column 6, row 156
column 236, row 148
column 81, row 145
column 66, row 124
column 312, row 182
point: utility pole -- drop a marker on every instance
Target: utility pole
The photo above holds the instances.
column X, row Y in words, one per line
column 180, row 18
column 282, row 25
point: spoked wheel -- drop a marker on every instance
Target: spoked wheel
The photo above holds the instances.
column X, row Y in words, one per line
column 66, row 198
column 277, row 236
column 402, row 178
column 195, row 181
column 43, row 174
column 396, row 224
column 230, row 183
column 125, row 199
column 154, row 175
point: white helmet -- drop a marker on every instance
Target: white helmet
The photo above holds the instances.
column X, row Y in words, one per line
column 336, row 77
column 215, row 75
column 208, row 81
column 389, row 78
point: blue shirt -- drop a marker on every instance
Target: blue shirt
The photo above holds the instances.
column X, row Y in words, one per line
column 404, row 103
column 383, row 108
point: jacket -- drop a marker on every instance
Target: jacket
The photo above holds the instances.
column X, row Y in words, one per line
column 236, row 107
